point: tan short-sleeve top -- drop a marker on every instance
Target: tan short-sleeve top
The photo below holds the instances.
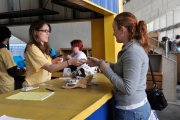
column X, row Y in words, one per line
column 35, row 59
column 6, row 62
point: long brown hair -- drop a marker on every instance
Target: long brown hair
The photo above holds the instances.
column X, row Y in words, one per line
column 136, row 29
column 36, row 25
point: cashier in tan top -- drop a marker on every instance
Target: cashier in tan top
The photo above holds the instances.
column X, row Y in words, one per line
column 37, row 55
column 8, row 68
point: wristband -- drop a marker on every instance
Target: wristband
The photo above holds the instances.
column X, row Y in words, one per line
column 100, row 61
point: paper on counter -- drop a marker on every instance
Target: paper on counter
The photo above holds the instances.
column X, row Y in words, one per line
column 45, row 84
column 65, row 78
column 30, row 96
column 4, row 117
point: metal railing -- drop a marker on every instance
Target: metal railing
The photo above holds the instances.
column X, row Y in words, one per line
column 164, row 45
column 165, row 48
column 172, row 55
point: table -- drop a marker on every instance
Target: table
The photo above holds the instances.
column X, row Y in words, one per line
column 64, row 104
column 20, row 79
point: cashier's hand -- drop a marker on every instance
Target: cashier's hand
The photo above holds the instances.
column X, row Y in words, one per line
column 93, row 61
column 24, row 68
column 104, row 64
column 57, row 60
column 75, row 62
column 68, row 57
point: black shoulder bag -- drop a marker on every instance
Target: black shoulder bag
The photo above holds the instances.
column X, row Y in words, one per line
column 155, row 96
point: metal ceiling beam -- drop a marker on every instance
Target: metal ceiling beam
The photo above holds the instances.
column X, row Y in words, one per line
column 27, row 13
column 71, row 5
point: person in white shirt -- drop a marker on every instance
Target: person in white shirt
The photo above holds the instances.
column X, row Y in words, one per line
column 77, row 47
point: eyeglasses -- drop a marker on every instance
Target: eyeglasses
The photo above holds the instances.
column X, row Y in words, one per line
column 46, row 31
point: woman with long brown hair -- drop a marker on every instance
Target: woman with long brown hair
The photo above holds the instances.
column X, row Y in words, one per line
column 128, row 75
column 37, row 55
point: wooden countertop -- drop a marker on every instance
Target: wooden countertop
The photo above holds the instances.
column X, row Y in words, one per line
column 64, row 104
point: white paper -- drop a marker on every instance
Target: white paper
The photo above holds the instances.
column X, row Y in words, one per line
column 43, row 84
column 4, row 117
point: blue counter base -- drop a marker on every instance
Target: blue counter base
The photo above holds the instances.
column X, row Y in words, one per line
column 105, row 112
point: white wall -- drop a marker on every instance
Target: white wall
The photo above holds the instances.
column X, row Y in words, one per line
column 171, row 18
column 61, row 35
column 162, row 22
column 156, row 24
column 162, row 34
column 177, row 31
column 20, row 32
column 15, row 40
column 169, row 79
column 149, row 10
column 177, row 15
column 151, row 26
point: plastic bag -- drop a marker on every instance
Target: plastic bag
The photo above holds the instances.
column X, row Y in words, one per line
column 88, row 70
column 66, row 72
column 153, row 115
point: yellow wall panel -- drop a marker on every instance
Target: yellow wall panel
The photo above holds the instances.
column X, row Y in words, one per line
column 97, row 34
column 109, row 38
column 111, row 46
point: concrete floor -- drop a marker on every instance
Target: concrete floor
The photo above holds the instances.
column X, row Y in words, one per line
column 171, row 112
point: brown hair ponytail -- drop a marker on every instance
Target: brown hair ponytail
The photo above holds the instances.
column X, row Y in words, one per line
column 136, row 29
column 141, row 34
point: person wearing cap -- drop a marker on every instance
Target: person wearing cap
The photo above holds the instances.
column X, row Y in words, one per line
column 174, row 46
column 8, row 68
column 163, row 44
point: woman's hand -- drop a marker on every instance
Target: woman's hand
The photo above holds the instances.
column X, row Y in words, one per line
column 75, row 62
column 104, row 65
column 57, row 60
column 93, row 61
column 24, row 68
column 68, row 57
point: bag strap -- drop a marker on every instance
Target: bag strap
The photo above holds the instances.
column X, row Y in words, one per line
column 154, row 81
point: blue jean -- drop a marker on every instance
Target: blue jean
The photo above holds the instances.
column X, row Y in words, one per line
column 141, row 113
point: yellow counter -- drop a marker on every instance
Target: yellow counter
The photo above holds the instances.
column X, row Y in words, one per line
column 64, row 104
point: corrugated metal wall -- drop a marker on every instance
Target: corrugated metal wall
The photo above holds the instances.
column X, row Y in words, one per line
column 64, row 12
column 112, row 5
